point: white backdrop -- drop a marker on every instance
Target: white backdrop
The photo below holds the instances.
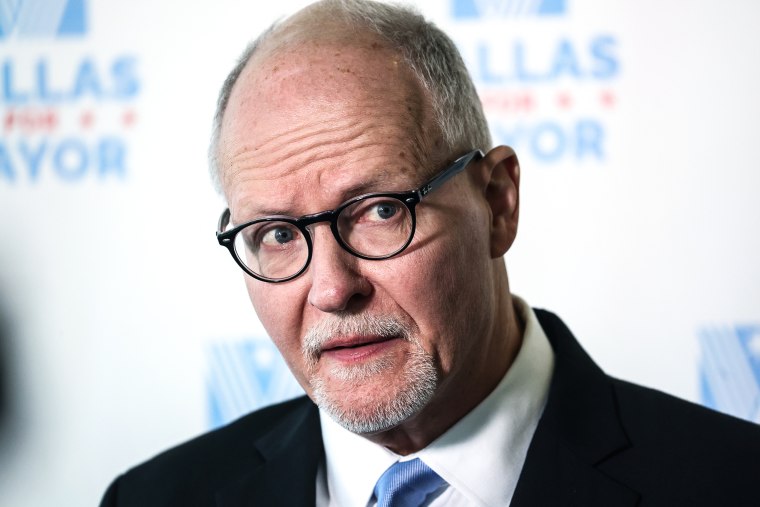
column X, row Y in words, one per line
column 125, row 328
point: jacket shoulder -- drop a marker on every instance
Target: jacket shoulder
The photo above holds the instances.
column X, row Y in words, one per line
column 666, row 450
column 653, row 415
column 191, row 473
column 679, row 446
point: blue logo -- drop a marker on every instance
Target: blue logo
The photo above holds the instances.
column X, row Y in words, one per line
column 730, row 370
column 506, row 8
column 245, row 375
column 42, row 18
column 64, row 117
column 549, row 96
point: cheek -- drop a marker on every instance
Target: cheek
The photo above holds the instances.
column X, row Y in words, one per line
column 449, row 294
column 279, row 312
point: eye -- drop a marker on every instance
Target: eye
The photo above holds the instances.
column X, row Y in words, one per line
column 382, row 211
column 372, row 212
column 279, row 235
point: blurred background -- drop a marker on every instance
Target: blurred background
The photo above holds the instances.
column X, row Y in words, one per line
column 125, row 328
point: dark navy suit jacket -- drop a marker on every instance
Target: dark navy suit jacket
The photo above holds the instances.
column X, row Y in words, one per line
column 600, row 442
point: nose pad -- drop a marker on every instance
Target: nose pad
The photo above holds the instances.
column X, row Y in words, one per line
column 335, row 275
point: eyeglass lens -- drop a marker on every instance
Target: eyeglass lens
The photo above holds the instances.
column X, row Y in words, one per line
column 373, row 227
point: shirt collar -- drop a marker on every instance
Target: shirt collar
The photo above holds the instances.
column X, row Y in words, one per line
column 481, row 456
column 353, row 463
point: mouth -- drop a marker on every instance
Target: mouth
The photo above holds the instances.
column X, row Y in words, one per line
column 349, row 349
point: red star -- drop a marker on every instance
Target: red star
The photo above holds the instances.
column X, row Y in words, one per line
column 525, row 103
column 87, row 119
column 607, row 98
column 129, row 118
column 9, row 120
column 564, row 100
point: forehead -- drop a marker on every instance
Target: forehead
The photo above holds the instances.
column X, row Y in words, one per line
column 324, row 116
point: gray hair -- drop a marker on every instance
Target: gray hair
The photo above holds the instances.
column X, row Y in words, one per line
column 429, row 53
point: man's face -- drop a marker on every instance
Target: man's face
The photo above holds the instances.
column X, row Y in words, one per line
column 373, row 342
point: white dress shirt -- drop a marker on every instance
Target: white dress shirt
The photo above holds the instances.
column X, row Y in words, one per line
column 480, row 457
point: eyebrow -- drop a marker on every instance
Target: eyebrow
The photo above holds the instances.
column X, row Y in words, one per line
column 375, row 184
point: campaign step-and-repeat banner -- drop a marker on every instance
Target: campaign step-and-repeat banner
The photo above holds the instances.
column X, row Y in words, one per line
column 125, row 329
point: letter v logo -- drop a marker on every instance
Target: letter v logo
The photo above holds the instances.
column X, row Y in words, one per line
column 490, row 9
column 41, row 18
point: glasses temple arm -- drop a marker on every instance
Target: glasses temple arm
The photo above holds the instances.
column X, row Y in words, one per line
column 224, row 221
column 458, row 166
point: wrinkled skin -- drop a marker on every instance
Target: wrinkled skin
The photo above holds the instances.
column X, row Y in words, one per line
column 310, row 126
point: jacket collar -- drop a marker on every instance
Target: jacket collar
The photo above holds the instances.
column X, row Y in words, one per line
column 289, row 456
column 579, row 429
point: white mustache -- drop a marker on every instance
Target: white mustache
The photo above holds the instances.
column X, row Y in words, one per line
column 384, row 326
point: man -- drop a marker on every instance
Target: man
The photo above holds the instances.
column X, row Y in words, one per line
column 372, row 229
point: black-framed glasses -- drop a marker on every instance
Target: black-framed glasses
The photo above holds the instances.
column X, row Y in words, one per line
column 371, row 226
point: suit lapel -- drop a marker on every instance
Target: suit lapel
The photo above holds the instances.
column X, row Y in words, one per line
column 289, row 457
column 578, row 430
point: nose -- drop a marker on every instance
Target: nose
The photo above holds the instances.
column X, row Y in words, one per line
column 336, row 282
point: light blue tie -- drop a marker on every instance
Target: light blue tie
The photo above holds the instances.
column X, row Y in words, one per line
column 406, row 484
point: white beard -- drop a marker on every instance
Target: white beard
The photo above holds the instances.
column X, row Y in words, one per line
column 418, row 380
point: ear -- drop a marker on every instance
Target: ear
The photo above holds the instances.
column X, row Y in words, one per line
column 501, row 172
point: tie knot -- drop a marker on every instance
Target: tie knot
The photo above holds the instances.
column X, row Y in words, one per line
column 406, row 484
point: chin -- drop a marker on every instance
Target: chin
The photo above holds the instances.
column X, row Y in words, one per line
column 364, row 400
